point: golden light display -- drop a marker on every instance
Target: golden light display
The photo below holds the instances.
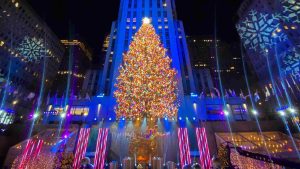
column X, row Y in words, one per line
column 146, row 85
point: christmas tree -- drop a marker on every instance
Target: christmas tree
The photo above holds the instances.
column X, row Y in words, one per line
column 146, row 85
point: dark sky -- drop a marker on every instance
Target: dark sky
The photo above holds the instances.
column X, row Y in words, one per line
column 91, row 19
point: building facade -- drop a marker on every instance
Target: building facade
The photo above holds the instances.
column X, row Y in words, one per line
column 71, row 74
column 193, row 103
column 203, row 56
column 269, row 31
column 30, row 55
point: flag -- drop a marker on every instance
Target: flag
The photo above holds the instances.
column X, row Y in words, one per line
column 233, row 93
column 256, row 96
column 30, row 96
column 218, row 92
column 226, row 93
column 267, row 93
column 242, row 94
column 48, row 99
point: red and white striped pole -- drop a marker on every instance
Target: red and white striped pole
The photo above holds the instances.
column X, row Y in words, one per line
column 184, row 147
column 205, row 160
column 81, row 146
column 101, row 148
column 31, row 151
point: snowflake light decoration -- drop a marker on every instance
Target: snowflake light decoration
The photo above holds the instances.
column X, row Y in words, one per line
column 291, row 10
column 291, row 63
column 31, row 48
column 257, row 30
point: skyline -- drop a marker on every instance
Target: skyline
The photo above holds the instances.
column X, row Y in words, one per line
column 93, row 21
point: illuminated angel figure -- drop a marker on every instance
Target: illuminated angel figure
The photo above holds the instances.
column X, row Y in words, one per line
column 31, row 48
column 146, row 85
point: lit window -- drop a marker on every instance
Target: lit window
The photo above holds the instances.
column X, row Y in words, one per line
column 80, row 111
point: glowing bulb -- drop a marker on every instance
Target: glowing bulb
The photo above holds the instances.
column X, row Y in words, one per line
column 180, row 118
column 109, row 119
column 281, row 113
column 123, row 118
column 138, row 118
column 254, row 112
column 146, row 20
column 15, row 102
column 226, row 112
column 166, row 118
column 36, row 115
column 63, row 115
column 194, row 118
column 292, row 110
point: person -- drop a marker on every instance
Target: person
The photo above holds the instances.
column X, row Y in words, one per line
column 86, row 163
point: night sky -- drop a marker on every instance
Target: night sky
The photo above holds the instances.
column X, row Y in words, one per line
column 91, row 19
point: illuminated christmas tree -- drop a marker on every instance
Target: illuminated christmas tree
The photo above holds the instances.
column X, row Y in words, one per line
column 146, row 85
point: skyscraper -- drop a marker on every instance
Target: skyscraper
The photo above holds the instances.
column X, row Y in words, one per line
column 194, row 104
column 25, row 43
column 78, row 58
column 162, row 14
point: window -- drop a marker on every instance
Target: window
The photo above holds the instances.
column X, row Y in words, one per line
column 79, row 111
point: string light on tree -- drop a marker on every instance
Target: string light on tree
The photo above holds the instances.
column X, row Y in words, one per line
column 146, row 85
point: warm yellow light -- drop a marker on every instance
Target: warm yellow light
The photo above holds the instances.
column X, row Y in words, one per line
column 17, row 4
column 1, row 43
column 15, row 102
column 146, row 20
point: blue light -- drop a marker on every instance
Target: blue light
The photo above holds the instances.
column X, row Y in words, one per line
column 166, row 118
column 194, row 95
column 109, row 119
column 123, row 118
column 180, row 118
column 100, row 95
column 95, row 119
column 194, row 118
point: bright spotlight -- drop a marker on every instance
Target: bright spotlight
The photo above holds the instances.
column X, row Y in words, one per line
column 146, row 20
column 123, row 118
column 254, row 112
column 166, row 118
column 180, row 118
column 226, row 113
column 36, row 115
column 292, row 110
column 194, row 118
column 109, row 119
column 63, row 115
column 281, row 113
